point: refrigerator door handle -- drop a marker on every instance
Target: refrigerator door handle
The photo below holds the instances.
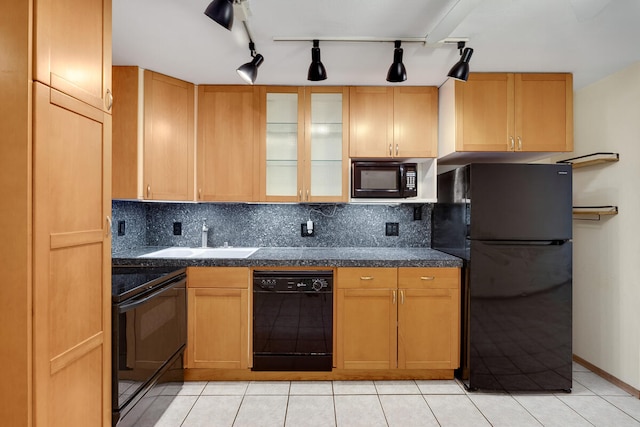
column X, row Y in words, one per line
column 525, row 242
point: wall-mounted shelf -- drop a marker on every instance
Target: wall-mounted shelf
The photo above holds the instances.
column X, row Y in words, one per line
column 591, row 159
column 593, row 212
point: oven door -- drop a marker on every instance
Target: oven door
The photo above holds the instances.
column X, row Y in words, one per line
column 148, row 331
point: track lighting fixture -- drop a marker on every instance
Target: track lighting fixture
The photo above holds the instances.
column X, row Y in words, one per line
column 221, row 11
column 317, row 71
column 249, row 71
column 460, row 71
column 397, row 73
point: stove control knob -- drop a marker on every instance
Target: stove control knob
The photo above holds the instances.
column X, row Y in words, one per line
column 318, row 284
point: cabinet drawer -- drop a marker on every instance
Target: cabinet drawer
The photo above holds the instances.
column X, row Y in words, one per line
column 218, row 277
column 367, row 278
column 428, row 278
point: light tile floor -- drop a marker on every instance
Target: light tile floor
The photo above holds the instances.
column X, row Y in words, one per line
column 593, row 402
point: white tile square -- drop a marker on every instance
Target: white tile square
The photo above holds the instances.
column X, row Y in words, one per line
column 310, row 411
column 314, row 388
column 225, row 388
column 213, row 411
column 439, row 387
column 396, row 387
column 262, row 411
column 268, row 388
column 407, row 410
column 628, row 404
column 598, row 411
column 551, row 411
column 503, row 410
column 598, row 385
column 354, row 387
column 455, row 411
column 359, row 411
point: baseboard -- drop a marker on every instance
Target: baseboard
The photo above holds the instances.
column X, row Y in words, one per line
column 607, row 376
column 337, row 374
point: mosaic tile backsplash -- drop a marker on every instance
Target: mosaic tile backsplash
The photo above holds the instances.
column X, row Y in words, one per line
column 275, row 225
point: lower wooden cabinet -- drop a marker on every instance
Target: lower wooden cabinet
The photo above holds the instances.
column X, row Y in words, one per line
column 406, row 318
column 218, row 319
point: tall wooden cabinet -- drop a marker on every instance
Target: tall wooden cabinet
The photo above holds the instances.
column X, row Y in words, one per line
column 153, row 136
column 228, row 138
column 218, row 317
column 393, row 122
column 56, row 175
column 507, row 112
column 405, row 318
column 304, row 144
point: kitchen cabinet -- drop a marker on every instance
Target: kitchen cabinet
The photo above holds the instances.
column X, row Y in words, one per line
column 55, row 168
column 218, row 317
column 506, row 113
column 405, row 318
column 228, row 137
column 393, row 122
column 153, row 136
column 72, row 48
column 304, row 140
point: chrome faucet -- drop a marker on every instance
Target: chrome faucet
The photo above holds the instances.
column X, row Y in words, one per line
column 205, row 233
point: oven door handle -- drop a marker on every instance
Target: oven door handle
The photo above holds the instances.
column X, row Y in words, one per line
column 161, row 289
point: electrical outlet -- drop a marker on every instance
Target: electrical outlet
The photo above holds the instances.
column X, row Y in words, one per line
column 177, row 228
column 417, row 213
column 121, row 229
column 391, row 229
column 304, row 231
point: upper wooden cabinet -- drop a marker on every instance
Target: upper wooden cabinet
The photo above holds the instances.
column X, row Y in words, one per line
column 506, row 112
column 72, row 48
column 304, row 140
column 398, row 122
column 228, row 135
column 153, row 127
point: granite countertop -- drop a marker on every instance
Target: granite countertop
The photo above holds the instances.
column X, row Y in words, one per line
column 302, row 257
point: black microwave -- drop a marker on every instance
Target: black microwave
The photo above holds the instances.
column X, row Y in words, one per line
column 384, row 179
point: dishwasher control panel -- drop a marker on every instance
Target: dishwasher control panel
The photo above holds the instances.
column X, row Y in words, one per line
column 293, row 281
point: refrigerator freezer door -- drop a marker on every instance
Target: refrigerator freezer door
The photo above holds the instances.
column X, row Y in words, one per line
column 518, row 316
column 520, row 201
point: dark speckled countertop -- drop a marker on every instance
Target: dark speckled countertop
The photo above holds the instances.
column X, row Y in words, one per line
column 303, row 257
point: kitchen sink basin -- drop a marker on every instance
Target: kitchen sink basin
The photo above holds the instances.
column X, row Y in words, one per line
column 180, row 252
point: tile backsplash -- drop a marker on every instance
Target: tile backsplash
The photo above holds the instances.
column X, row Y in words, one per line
column 276, row 225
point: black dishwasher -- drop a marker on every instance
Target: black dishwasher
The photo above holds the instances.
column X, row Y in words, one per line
column 292, row 320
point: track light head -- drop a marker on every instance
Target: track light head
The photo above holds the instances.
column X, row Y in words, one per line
column 397, row 72
column 317, row 71
column 221, row 11
column 249, row 71
column 460, row 71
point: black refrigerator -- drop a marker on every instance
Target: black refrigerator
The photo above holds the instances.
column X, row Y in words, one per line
column 512, row 225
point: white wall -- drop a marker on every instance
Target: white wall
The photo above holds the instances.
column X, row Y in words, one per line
column 606, row 278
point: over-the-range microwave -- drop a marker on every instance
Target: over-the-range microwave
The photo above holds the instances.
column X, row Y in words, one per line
column 384, row 179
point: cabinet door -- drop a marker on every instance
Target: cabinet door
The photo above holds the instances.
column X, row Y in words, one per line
column 168, row 138
column 366, row 328
column 326, row 175
column 282, row 144
column 218, row 328
column 371, row 122
column 544, row 112
column 71, row 262
column 228, row 134
column 484, row 113
column 415, row 121
column 428, row 318
column 126, row 121
column 73, row 48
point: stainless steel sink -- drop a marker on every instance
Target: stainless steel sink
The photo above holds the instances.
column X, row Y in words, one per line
column 182, row 252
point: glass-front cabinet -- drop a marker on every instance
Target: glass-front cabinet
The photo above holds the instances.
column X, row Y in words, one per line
column 305, row 143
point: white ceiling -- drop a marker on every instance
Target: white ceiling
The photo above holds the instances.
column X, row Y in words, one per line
column 589, row 38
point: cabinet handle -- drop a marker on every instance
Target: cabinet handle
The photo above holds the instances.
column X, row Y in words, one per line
column 390, row 150
column 427, row 277
column 401, row 297
column 512, row 144
column 110, row 223
column 109, row 100
column 307, row 195
column 394, row 297
column 366, row 278
column 300, row 195
column 199, row 193
column 397, row 149
column 519, row 144
column 148, row 191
